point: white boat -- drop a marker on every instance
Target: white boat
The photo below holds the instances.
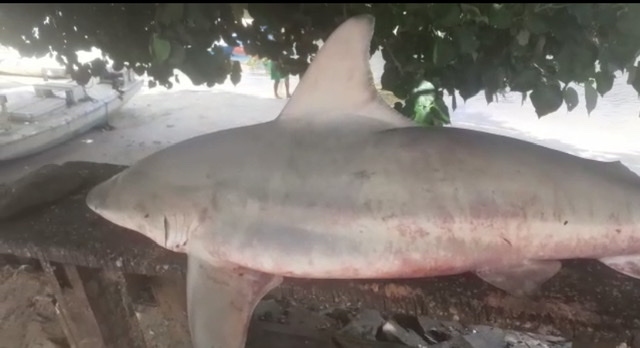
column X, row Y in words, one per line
column 57, row 112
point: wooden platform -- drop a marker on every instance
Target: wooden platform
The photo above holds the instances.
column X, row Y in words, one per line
column 69, row 232
column 43, row 216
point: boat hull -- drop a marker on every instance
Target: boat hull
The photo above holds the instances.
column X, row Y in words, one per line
column 23, row 140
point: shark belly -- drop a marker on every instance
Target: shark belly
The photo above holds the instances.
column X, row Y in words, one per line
column 341, row 245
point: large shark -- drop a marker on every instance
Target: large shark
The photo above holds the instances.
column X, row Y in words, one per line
column 339, row 185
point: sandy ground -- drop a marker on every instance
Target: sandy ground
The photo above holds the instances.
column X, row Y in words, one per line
column 157, row 118
column 27, row 314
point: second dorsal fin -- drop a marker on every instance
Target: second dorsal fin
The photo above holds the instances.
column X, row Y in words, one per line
column 339, row 81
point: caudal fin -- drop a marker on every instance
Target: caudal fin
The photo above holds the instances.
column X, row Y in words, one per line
column 339, row 80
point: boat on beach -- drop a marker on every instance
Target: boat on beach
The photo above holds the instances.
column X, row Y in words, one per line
column 54, row 112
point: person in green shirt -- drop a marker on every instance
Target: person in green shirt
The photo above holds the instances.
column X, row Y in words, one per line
column 278, row 72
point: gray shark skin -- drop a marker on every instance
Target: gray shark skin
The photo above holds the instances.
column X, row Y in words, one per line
column 342, row 186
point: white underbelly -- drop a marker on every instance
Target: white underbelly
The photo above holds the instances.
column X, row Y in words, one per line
column 319, row 244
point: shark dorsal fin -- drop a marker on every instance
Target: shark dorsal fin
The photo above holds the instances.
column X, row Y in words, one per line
column 339, row 80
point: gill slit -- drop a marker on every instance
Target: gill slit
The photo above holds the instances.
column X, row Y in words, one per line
column 166, row 231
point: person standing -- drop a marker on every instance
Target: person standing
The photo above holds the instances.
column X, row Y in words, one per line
column 278, row 72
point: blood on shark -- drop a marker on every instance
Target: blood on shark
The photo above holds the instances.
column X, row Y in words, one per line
column 340, row 185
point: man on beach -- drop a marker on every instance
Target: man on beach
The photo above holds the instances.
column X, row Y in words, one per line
column 278, row 72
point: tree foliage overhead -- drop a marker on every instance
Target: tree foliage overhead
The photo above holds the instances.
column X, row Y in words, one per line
column 536, row 49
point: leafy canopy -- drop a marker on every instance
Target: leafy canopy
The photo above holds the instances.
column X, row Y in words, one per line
column 535, row 49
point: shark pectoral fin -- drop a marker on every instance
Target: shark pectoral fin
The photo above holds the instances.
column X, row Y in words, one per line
column 628, row 264
column 221, row 300
column 523, row 279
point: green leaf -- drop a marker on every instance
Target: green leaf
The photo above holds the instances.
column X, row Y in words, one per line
column 488, row 96
column 493, row 81
column 564, row 62
column 169, row 13
column 426, row 107
column 466, row 40
column 474, row 14
column 591, row 96
column 160, row 49
column 628, row 23
column 177, row 56
column 535, row 24
column 392, row 80
column 424, row 87
column 389, row 77
column 525, row 80
column 470, row 10
column 442, row 114
column 467, row 80
column 570, row 96
column 238, row 10
column 636, row 81
column 445, row 14
column 546, row 98
column 236, row 73
column 433, row 113
column 632, row 74
column 398, row 107
column 421, row 107
column 576, row 62
column 621, row 52
column 582, row 12
column 499, row 16
column 415, row 6
column 604, row 82
column 523, row 37
column 443, row 52
column 542, row 40
column 196, row 16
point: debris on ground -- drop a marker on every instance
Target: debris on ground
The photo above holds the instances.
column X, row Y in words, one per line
column 28, row 319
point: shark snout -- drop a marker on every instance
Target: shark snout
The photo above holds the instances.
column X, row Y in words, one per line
column 96, row 199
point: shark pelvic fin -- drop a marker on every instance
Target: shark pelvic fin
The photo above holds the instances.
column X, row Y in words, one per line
column 523, row 279
column 628, row 264
column 221, row 300
column 339, row 81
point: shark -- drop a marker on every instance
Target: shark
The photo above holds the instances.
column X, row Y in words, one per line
column 341, row 186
